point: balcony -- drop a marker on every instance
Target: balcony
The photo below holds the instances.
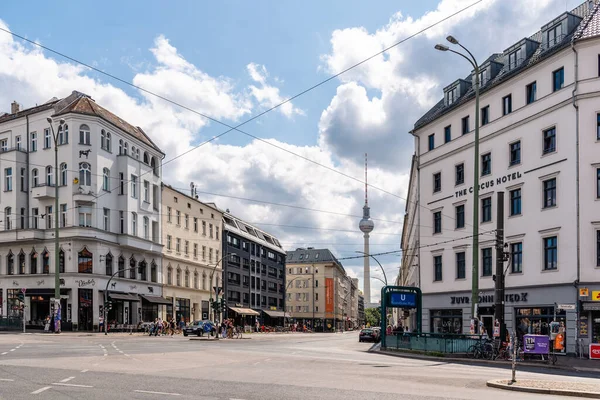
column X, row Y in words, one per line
column 84, row 194
column 43, row 192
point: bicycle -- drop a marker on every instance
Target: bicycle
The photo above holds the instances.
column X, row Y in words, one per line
column 483, row 349
column 238, row 332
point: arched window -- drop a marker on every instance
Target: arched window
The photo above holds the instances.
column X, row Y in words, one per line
column 34, row 177
column 137, row 154
column 121, row 267
column 120, row 146
column 204, row 281
column 63, row 134
column 108, row 141
column 108, row 260
column 33, row 262
column 10, row 263
column 49, row 175
column 153, row 272
column 169, row 275
column 61, row 261
column 45, row 262
column 154, row 166
column 132, row 264
column 7, row 221
column 178, row 277
column 102, row 139
column 146, row 159
column 195, row 279
column 105, row 179
column 146, row 228
column 186, row 278
column 85, row 174
column 63, row 174
column 143, row 267
column 21, row 263
column 125, row 148
column 132, row 151
column 84, row 134
column 85, row 261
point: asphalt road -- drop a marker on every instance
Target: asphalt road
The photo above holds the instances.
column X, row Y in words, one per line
column 274, row 366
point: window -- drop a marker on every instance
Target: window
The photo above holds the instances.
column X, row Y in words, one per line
column 460, row 216
column 550, row 193
column 63, row 174
column 178, row 217
column 195, row 250
column 210, row 230
column 507, row 105
column 558, row 79
column 33, row 262
column 48, row 217
column 451, row 95
column 23, row 183
column 102, row 139
column 210, row 254
column 437, row 268
column 555, row 35
column 431, row 141
column 447, row 133
column 186, row 221
column 598, row 183
column 186, row 247
column 154, row 272
column 84, row 134
column 132, row 272
column 10, row 264
column 18, row 142
column 34, row 218
column 514, row 58
column 134, row 186
column 147, row 191
column 437, row 222
column 34, row 177
column 486, row 209
column 169, row 240
column 178, row 245
column 33, row 140
column 486, row 258
column 459, row 174
column 7, row 218
column 196, row 224
column 85, row 174
column 515, row 202
column 485, row 115
column 460, row 265
column 203, row 252
column 531, row 92
column 106, row 179
column 178, row 277
column 49, row 174
column 108, row 138
column 121, row 183
column 63, row 215
column 204, row 228
column 85, row 261
column 549, row 140
column 437, row 182
column 134, row 224
column 85, row 216
column 486, row 164
column 4, row 145
column 8, row 179
column 122, row 222
column 155, row 197
column 146, row 228
column 63, row 134
column 465, row 125
column 516, row 254
column 216, row 232
column 515, row 153
column 550, row 253
column 598, row 248
column 22, row 226
column 47, row 139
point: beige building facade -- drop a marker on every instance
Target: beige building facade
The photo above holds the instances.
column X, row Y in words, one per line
column 319, row 292
column 191, row 255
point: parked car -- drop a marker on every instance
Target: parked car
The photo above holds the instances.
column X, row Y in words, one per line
column 370, row 335
column 199, row 328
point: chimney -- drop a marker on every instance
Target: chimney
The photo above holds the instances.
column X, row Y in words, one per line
column 14, row 107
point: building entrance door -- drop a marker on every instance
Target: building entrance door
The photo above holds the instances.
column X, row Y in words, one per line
column 488, row 323
column 86, row 308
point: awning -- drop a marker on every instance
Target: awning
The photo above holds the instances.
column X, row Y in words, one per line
column 591, row 306
column 123, row 296
column 156, row 300
column 275, row 314
column 244, row 311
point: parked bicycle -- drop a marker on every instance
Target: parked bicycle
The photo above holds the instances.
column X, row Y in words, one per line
column 483, row 349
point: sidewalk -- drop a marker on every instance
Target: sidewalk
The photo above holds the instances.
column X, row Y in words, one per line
column 561, row 388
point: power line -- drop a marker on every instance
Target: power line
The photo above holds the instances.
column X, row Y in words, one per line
column 231, row 128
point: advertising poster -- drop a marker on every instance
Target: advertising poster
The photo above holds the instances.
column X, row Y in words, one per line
column 329, row 295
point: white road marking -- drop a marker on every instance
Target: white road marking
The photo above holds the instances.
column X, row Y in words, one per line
column 85, row 370
column 7, row 380
column 40, row 390
column 256, row 363
column 5, row 353
column 12, row 349
column 163, row 393
column 105, row 355
column 71, row 385
column 67, row 379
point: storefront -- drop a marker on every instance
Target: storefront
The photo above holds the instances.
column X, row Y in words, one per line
column 589, row 321
column 527, row 310
column 182, row 310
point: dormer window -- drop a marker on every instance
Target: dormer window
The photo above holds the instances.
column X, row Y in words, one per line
column 451, row 96
column 482, row 77
column 515, row 58
column 555, row 35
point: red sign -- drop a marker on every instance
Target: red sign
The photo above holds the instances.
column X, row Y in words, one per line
column 329, row 295
column 595, row 351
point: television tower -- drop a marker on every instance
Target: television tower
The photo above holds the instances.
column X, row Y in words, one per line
column 366, row 226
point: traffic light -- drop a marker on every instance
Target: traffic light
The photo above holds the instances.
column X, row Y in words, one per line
column 108, row 305
column 224, row 306
column 22, row 297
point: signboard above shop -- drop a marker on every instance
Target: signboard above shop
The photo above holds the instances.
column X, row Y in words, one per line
column 405, row 300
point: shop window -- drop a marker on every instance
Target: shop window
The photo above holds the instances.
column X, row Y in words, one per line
column 446, row 321
column 536, row 321
column 84, row 261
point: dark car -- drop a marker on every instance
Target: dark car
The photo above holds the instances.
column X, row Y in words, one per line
column 369, row 335
column 199, row 328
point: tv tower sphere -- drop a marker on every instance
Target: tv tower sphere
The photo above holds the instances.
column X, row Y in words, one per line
column 366, row 225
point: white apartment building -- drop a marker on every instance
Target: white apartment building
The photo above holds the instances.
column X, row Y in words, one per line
column 109, row 203
column 193, row 248
column 540, row 145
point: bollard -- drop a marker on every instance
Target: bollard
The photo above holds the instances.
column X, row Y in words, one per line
column 514, row 357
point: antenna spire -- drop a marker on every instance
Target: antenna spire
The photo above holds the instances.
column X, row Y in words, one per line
column 366, row 197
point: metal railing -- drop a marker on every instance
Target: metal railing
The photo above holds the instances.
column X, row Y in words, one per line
column 432, row 342
column 11, row 323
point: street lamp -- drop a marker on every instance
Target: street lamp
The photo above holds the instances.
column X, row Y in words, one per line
column 56, row 244
column 475, row 279
column 215, row 287
column 380, row 266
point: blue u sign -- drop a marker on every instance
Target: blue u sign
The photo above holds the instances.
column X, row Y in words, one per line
column 403, row 299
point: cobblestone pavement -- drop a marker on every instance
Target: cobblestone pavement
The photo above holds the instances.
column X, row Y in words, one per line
column 554, row 385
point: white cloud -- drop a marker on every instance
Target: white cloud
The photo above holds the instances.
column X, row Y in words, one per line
column 267, row 95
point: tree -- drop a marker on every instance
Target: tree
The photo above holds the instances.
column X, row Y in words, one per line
column 373, row 316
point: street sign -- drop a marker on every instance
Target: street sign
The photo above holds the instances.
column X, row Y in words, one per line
column 584, row 292
column 402, row 299
column 595, row 351
column 23, row 290
column 566, row 306
column 596, row 295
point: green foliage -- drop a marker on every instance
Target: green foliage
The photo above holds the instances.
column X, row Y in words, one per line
column 373, row 316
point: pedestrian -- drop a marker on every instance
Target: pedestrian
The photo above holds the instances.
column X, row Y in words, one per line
column 172, row 326
column 101, row 323
column 257, row 326
column 181, row 324
column 47, row 324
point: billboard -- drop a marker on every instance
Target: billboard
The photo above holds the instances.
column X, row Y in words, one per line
column 329, row 295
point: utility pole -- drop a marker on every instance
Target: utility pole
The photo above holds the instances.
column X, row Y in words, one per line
column 499, row 277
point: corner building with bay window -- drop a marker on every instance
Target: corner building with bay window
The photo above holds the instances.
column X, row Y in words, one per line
column 109, row 203
column 540, row 146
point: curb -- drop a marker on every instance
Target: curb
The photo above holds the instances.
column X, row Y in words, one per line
column 560, row 392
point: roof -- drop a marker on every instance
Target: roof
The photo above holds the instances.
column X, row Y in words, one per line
column 28, row 111
column 311, row 256
column 80, row 103
column 250, row 232
column 209, row 205
column 588, row 27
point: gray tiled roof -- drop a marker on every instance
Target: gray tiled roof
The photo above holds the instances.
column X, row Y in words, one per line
column 590, row 26
column 311, row 256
